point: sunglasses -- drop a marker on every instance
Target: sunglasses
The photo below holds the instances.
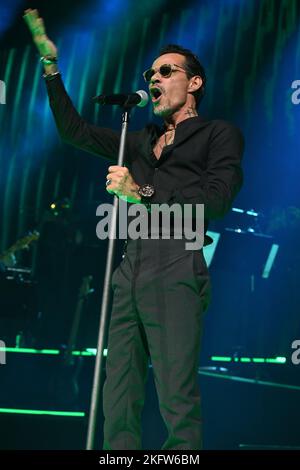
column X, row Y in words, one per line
column 165, row 71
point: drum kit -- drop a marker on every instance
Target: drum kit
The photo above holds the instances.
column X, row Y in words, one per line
column 20, row 309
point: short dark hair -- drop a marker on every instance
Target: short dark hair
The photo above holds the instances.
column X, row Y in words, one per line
column 193, row 66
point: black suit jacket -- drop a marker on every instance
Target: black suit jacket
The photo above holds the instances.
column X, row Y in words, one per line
column 202, row 166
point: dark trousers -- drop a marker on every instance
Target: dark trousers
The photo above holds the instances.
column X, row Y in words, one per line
column 160, row 293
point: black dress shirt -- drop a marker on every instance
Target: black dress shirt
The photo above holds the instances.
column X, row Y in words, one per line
column 202, row 166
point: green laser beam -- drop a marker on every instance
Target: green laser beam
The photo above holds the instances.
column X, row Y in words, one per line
column 77, row 414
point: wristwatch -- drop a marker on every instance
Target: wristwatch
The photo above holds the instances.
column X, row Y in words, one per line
column 146, row 191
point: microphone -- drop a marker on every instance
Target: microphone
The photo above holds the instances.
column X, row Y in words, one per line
column 139, row 98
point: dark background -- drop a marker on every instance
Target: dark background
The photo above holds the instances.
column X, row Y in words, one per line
column 251, row 52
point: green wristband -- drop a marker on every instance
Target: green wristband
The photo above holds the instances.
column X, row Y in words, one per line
column 48, row 60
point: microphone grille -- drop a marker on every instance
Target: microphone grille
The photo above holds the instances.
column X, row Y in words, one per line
column 144, row 98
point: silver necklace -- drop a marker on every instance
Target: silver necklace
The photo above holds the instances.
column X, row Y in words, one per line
column 171, row 141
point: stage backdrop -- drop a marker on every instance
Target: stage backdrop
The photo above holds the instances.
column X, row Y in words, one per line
column 251, row 52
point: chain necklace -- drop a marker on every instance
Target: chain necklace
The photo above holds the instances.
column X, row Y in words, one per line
column 170, row 141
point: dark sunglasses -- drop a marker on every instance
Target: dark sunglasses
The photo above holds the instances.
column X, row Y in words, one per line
column 165, row 71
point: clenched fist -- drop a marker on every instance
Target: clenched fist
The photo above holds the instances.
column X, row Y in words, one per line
column 37, row 29
column 121, row 183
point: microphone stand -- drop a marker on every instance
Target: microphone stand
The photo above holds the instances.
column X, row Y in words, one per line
column 99, row 363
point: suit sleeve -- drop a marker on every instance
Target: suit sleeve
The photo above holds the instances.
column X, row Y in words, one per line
column 222, row 178
column 73, row 129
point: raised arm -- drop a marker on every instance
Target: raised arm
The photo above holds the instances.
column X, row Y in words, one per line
column 71, row 126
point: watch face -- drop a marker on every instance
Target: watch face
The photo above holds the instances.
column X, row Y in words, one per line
column 147, row 190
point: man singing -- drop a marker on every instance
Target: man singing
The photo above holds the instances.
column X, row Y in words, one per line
column 161, row 290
